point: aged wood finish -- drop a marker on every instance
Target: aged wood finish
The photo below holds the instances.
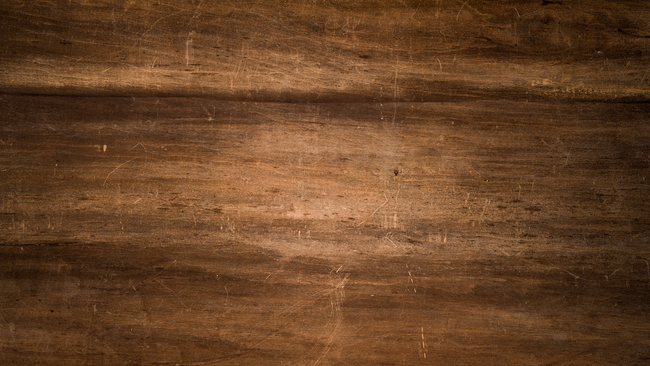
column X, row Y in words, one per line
column 324, row 183
column 328, row 50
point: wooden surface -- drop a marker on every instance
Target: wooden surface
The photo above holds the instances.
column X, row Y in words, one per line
column 324, row 183
column 338, row 50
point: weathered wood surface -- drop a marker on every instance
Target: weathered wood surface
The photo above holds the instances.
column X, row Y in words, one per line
column 469, row 194
column 195, row 231
column 328, row 50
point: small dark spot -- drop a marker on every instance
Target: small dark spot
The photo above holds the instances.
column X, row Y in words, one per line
column 51, row 311
column 365, row 57
column 396, row 172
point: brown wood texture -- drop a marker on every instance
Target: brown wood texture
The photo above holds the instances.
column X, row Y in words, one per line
column 324, row 183
column 328, row 50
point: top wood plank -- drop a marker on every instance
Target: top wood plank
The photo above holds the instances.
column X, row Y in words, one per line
column 324, row 51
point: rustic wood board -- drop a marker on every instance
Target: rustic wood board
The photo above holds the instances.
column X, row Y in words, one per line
column 162, row 230
column 339, row 50
column 324, row 183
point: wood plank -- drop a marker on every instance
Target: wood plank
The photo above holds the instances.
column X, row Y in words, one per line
column 324, row 182
column 209, row 232
column 328, row 50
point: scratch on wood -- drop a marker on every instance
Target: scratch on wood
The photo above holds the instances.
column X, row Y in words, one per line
column 118, row 167
column 461, row 9
column 374, row 212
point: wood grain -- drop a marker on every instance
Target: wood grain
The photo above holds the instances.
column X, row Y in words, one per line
column 328, row 50
column 203, row 232
column 324, row 183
